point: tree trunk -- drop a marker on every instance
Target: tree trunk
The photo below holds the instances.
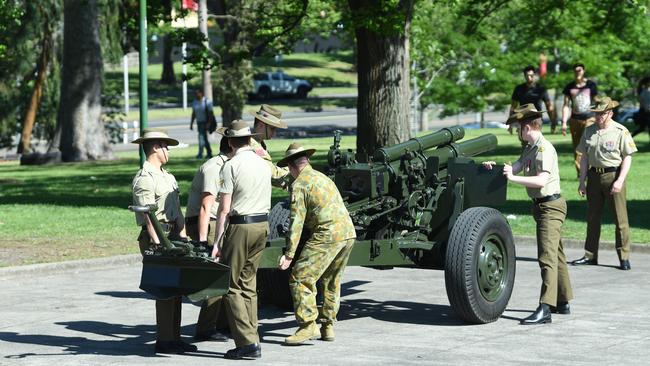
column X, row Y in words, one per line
column 168, row 77
column 81, row 130
column 383, row 70
column 231, row 87
column 30, row 116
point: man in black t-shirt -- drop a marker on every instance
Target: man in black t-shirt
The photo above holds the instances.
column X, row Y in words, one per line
column 532, row 92
column 578, row 98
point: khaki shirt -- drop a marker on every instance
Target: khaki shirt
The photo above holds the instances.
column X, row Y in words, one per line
column 152, row 186
column 248, row 178
column 317, row 205
column 279, row 176
column 206, row 180
column 541, row 157
column 607, row 147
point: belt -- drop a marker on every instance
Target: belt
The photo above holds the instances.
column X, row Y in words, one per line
column 608, row 169
column 195, row 220
column 550, row 198
column 248, row 219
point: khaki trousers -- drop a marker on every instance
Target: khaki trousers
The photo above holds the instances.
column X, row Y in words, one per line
column 213, row 314
column 242, row 251
column 577, row 127
column 168, row 312
column 324, row 261
column 598, row 188
column 556, row 286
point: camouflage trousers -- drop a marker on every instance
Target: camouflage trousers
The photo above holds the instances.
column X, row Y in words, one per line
column 324, row 261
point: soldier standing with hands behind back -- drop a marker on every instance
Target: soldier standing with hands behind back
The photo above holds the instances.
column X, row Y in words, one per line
column 606, row 149
column 316, row 205
column 153, row 185
column 541, row 178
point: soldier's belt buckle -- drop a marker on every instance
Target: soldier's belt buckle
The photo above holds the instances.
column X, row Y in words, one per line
column 600, row 170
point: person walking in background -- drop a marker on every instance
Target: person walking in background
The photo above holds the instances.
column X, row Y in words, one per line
column 532, row 92
column 607, row 149
column 642, row 117
column 541, row 178
column 578, row 97
column 201, row 112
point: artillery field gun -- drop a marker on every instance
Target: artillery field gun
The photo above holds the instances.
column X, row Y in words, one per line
column 421, row 203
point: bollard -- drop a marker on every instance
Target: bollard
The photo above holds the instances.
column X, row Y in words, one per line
column 125, row 133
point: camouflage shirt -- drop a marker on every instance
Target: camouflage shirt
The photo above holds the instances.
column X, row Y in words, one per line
column 317, row 205
column 279, row 176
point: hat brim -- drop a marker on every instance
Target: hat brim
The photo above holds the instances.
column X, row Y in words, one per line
column 285, row 161
column 609, row 107
column 276, row 124
column 221, row 131
column 170, row 141
column 531, row 115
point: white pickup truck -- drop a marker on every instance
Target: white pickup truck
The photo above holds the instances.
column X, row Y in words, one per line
column 272, row 84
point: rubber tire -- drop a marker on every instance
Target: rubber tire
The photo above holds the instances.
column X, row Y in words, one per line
column 264, row 93
column 302, row 92
column 273, row 284
column 463, row 249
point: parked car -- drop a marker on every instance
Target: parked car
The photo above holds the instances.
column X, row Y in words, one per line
column 274, row 84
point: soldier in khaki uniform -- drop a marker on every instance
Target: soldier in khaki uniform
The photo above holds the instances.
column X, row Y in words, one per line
column 316, row 204
column 607, row 149
column 200, row 222
column 244, row 201
column 541, row 178
column 267, row 120
column 153, row 185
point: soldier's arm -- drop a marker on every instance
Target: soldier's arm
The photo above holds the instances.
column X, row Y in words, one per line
column 298, row 213
column 584, row 166
column 143, row 195
column 225, row 200
column 207, row 200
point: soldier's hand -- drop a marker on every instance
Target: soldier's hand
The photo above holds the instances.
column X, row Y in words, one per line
column 284, row 262
column 488, row 164
column 507, row 170
column 216, row 252
column 616, row 187
column 564, row 129
column 582, row 189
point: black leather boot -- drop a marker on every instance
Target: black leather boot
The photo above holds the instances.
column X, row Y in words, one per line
column 585, row 260
column 561, row 308
column 541, row 316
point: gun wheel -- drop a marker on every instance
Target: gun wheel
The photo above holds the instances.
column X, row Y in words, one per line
column 480, row 265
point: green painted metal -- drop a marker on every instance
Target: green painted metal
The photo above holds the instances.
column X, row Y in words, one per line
column 144, row 96
column 492, row 264
column 423, row 143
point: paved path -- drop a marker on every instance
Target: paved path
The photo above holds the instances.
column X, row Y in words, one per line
column 93, row 315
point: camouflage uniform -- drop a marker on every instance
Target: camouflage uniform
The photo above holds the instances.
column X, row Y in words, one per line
column 279, row 176
column 317, row 204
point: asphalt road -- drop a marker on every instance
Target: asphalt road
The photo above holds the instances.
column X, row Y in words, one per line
column 92, row 313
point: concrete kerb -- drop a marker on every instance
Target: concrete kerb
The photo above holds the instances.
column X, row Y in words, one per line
column 129, row 259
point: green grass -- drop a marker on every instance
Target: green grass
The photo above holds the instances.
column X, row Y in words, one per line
column 331, row 73
column 74, row 211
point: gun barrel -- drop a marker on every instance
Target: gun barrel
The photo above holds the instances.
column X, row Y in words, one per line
column 475, row 146
column 442, row 137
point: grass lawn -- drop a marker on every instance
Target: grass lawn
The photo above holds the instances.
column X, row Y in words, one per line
column 330, row 74
column 73, row 211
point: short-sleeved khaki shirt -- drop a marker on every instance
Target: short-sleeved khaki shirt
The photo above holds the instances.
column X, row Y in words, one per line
column 537, row 158
column 278, row 175
column 248, row 178
column 316, row 204
column 206, row 180
column 156, row 186
column 607, row 147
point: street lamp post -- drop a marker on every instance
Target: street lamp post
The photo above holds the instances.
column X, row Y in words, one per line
column 144, row 97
